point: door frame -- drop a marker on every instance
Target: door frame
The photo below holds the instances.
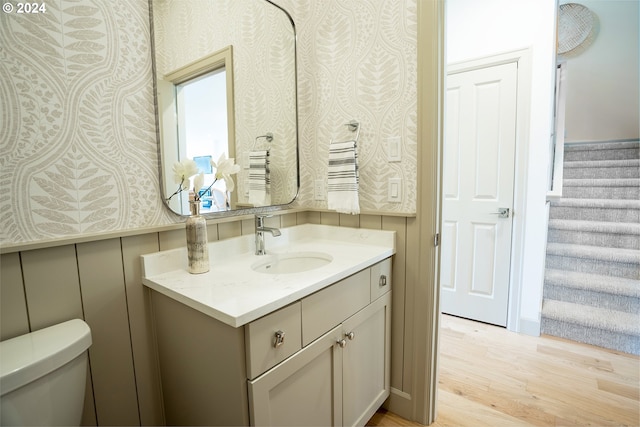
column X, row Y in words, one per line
column 522, row 58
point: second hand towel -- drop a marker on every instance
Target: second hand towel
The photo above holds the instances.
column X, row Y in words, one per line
column 259, row 179
column 342, row 180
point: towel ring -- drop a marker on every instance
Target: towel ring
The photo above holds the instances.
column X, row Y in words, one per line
column 268, row 136
column 353, row 126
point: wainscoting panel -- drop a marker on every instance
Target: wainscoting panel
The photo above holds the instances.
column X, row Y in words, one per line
column 104, row 302
column 52, row 286
column 176, row 238
column 309, row 217
column 287, row 220
column 227, row 230
column 142, row 338
column 330, row 218
column 13, row 307
column 347, row 220
column 371, row 221
column 411, row 266
column 52, row 295
column 100, row 282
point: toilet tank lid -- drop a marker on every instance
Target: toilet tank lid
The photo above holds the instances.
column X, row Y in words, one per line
column 26, row 358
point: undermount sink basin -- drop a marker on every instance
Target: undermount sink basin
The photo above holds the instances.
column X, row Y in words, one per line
column 291, row 263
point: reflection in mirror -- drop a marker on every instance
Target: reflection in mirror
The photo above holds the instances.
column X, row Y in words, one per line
column 243, row 51
column 193, row 105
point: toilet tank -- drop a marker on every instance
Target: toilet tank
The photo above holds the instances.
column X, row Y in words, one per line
column 43, row 375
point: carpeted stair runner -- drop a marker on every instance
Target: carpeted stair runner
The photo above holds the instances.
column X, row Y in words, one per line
column 595, row 233
column 606, row 210
column 616, row 188
column 592, row 277
column 602, row 169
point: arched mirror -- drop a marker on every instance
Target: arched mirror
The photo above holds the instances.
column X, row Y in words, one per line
column 225, row 75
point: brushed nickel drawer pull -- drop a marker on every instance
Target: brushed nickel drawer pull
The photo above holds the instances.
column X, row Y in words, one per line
column 383, row 280
column 279, row 339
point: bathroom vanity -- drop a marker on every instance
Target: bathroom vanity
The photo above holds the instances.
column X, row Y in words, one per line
column 300, row 336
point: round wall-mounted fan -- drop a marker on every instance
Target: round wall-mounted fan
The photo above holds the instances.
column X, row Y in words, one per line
column 577, row 28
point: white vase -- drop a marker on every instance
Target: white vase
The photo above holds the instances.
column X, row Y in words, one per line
column 197, row 243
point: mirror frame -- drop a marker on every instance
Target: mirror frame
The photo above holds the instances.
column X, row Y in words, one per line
column 231, row 131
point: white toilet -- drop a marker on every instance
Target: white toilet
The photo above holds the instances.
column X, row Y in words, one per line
column 43, row 376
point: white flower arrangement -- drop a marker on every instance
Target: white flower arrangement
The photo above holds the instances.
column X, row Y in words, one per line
column 185, row 170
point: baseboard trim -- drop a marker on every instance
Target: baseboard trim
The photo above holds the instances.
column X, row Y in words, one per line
column 530, row 327
column 399, row 403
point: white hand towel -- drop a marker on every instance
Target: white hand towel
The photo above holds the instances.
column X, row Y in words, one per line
column 342, row 181
column 259, row 179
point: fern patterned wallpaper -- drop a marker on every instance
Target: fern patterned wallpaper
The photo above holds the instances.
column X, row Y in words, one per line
column 357, row 59
column 264, row 77
column 78, row 149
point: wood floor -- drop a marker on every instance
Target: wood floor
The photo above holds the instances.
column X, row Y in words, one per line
column 489, row 376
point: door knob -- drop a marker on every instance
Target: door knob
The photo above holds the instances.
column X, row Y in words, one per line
column 502, row 213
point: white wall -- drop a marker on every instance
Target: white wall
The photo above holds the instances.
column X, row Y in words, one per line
column 602, row 94
column 480, row 28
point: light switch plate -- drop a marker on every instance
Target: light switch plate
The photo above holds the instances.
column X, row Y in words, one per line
column 318, row 190
column 394, row 194
column 394, row 149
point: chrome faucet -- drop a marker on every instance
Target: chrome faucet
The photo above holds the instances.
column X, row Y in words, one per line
column 260, row 229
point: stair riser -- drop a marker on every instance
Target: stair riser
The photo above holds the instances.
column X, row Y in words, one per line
column 619, row 172
column 594, row 299
column 585, row 265
column 594, row 214
column 582, row 155
column 625, row 241
column 607, row 339
column 629, row 193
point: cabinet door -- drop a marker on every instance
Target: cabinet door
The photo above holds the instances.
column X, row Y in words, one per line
column 304, row 390
column 366, row 361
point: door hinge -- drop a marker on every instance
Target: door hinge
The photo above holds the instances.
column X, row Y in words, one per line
column 436, row 240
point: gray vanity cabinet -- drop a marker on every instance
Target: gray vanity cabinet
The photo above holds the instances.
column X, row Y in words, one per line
column 342, row 377
column 330, row 368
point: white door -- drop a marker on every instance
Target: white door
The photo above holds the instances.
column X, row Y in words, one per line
column 479, row 160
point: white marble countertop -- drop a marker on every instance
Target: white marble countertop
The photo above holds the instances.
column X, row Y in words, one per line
column 233, row 293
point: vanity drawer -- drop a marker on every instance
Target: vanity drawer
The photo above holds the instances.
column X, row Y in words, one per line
column 272, row 338
column 329, row 307
column 380, row 279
